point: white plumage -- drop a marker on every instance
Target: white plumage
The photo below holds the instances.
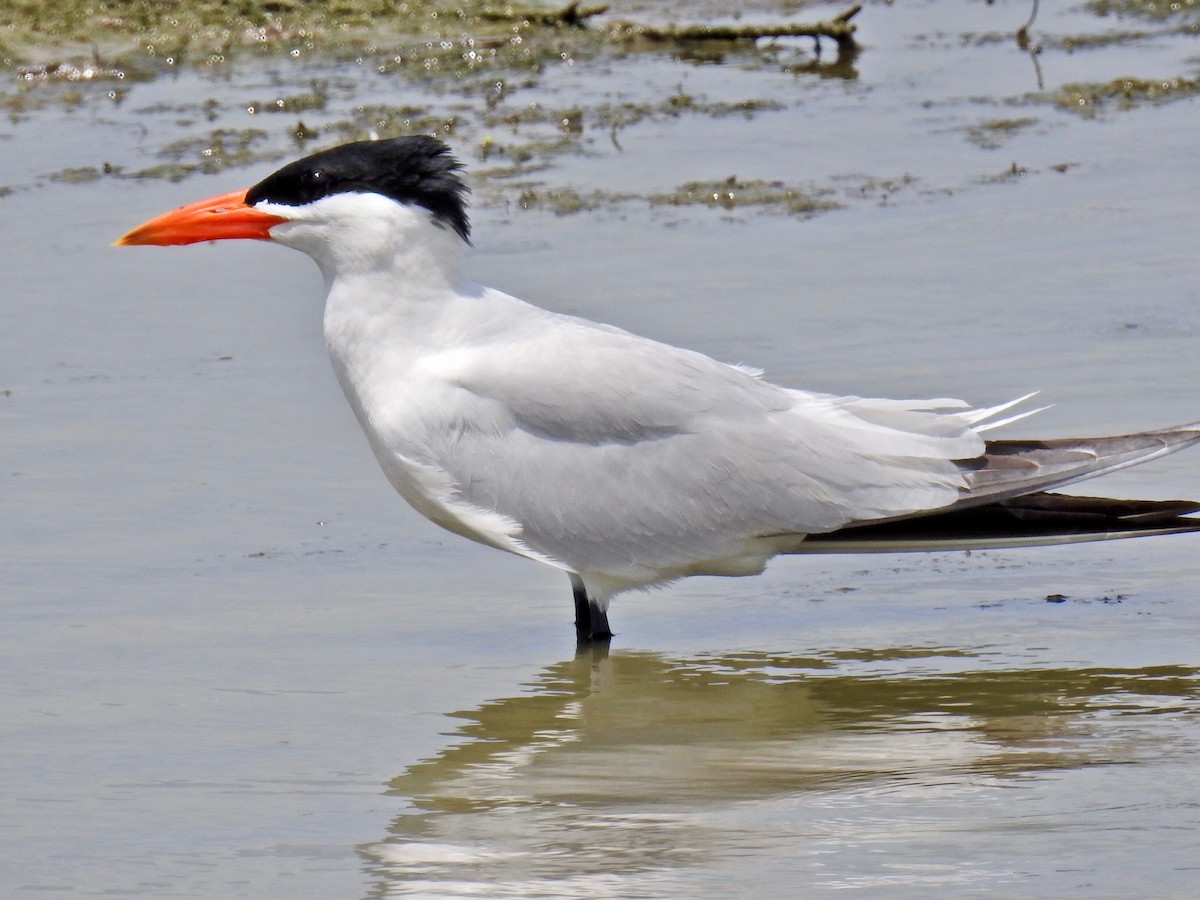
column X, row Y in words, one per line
column 622, row 461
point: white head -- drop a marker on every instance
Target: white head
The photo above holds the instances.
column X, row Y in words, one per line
column 396, row 204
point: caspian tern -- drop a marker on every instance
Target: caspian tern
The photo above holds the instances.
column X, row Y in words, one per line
column 624, row 462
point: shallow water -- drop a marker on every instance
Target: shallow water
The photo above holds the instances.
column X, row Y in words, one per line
column 236, row 665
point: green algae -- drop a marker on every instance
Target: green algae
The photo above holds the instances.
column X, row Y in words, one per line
column 1088, row 98
column 567, row 201
column 730, row 194
column 1014, row 172
column 422, row 38
column 79, row 174
column 426, row 39
column 733, row 193
column 1157, row 10
column 993, row 133
column 481, row 61
column 317, row 98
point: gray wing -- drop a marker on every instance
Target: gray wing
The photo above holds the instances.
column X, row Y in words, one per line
column 620, row 455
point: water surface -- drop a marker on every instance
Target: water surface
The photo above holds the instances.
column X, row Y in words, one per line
column 236, row 665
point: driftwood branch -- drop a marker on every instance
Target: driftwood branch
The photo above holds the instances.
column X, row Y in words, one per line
column 1023, row 31
column 575, row 14
column 839, row 29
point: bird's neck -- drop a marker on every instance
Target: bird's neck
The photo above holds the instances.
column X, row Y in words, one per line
column 385, row 311
column 386, row 271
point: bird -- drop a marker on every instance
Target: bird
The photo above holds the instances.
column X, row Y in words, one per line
column 621, row 461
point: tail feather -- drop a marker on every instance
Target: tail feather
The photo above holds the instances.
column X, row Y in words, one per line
column 1031, row 520
column 1011, row 468
column 1006, row 502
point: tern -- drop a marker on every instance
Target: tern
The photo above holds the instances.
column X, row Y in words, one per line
column 621, row 461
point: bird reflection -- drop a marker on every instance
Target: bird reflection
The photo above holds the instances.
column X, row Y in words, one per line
column 629, row 764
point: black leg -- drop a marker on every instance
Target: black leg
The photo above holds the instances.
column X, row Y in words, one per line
column 600, row 629
column 591, row 622
column 583, row 613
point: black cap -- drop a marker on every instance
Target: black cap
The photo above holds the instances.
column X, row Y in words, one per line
column 417, row 169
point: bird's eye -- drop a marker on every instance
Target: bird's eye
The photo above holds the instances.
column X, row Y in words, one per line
column 314, row 183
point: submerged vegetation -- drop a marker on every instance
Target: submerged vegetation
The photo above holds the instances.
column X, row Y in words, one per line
column 733, row 193
column 475, row 71
column 994, row 132
column 482, row 51
column 426, row 38
column 142, row 37
column 1123, row 93
column 1157, row 10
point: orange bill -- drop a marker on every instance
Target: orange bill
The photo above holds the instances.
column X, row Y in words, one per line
column 219, row 218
